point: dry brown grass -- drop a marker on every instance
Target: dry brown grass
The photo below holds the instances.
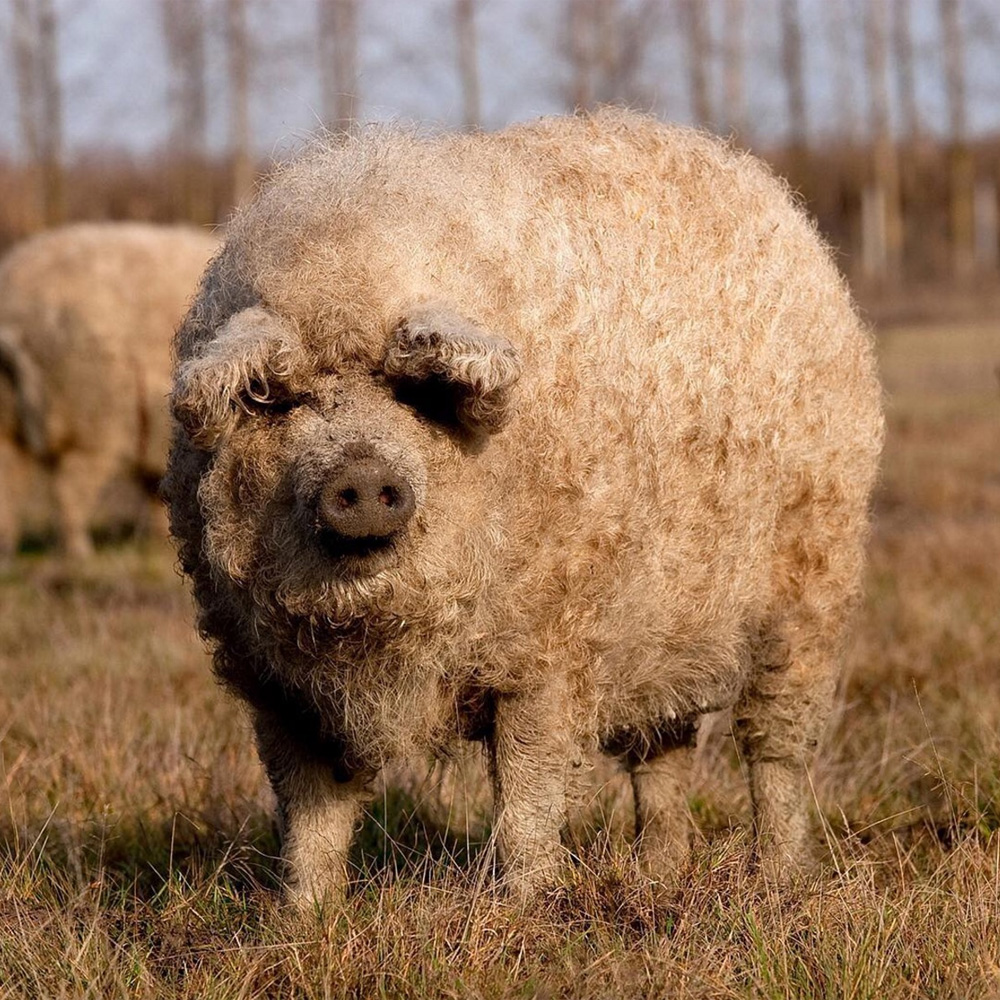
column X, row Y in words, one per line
column 137, row 854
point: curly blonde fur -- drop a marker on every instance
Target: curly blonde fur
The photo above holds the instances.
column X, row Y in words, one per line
column 641, row 422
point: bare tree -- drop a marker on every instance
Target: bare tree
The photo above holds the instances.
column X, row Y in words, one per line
column 581, row 91
column 468, row 65
column 882, row 246
column 984, row 25
column 954, row 66
column 735, row 115
column 961, row 165
column 792, row 70
column 694, row 23
column 902, row 47
column 51, row 122
column 238, row 62
column 606, row 42
column 34, row 35
column 591, row 49
column 24, row 37
column 184, row 37
column 840, row 28
column 338, row 62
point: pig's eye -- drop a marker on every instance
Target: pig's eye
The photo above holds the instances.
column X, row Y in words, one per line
column 434, row 398
column 268, row 398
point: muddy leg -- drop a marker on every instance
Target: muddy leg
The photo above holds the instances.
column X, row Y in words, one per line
column 660, row 784
column 531, row 753
column 779, row 791
column 317, row 812
column 12, row 475
column 779, row 723
column 77, row 483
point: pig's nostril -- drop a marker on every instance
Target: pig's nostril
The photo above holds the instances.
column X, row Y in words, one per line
column 347, row 498
column 388, row 496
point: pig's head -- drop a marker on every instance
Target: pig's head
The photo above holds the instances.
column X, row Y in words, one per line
column 344, row 484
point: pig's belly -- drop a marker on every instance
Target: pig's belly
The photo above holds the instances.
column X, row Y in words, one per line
column 665, row 679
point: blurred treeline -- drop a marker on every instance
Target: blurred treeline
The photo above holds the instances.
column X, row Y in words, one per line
column 875, row 104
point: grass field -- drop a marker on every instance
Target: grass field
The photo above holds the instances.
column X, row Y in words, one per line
column 137, row 852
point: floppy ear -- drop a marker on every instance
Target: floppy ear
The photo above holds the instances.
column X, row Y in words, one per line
column 242, row 363
column 450, row 356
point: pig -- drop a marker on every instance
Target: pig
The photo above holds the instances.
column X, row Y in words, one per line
column 556, row 438
column 87, row 313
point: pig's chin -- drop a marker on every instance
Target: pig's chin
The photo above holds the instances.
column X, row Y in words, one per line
column 341, row 584
column 327, row 581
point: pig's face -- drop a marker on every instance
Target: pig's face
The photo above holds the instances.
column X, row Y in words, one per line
column 338, row 490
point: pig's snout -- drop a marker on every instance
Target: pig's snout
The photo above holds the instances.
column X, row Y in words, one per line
column 365, row 499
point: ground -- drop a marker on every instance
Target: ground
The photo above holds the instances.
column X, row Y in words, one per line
column 137, row 854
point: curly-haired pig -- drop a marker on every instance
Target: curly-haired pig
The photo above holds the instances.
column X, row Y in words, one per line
column 557, row 439
column 87, row 312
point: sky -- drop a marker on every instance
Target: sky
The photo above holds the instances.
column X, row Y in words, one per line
column 114, row 73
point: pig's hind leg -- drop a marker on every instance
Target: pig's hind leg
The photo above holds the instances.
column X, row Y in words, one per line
column 77, row 481
column 778, row 723
column 660, row 762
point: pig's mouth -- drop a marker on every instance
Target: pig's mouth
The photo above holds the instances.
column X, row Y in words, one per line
column 362, row 556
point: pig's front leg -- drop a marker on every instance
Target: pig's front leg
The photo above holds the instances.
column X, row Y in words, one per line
column 317, row 814
column 531, row 752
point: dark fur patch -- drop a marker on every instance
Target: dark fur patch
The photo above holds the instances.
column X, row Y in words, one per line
column 636, row 744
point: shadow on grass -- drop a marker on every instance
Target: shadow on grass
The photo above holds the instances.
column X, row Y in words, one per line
column 141, row 856
column 115, row 534
column 237, row 855
column 400, row 839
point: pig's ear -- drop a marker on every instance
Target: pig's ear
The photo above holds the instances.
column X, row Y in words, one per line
column 455, row 367
column 249, row 363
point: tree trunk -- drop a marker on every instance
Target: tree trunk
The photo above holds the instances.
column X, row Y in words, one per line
column 338, row 42
column 695, row 24
column 840, row 25
column 902, row 44
column 468, row 65
column 24, row 37
column 962, row 169
column 792, row 70
column 884, row 264
column 986, row 225
column 735, row 67
column 579, row 21
column 51, row 123
column 238, row 44
column 184, row 38
column 612, row 75
column 34, row 29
